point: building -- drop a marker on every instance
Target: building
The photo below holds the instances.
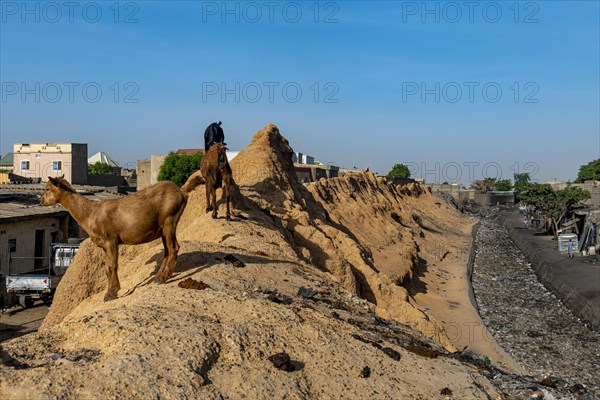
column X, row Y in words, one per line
column 591, row 186
column 313, row 172
column 303, row 173
column 6, row 162
column 300, row 158
column 147, row 170
column 41, row 160
column 102, row 157
column 26, row 232
column 189, row 151
column 452, row 189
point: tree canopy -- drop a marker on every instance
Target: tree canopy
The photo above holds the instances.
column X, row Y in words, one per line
column 177, row 168
column 504, row 185
column 399, row 171
column 546, row 201
column 589, row 171
column 488, row 184
column 522, row 180
column 100, row 168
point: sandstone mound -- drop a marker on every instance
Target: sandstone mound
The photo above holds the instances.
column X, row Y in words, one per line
column 357, row 245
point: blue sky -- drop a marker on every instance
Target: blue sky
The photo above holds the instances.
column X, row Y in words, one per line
column 454, row 92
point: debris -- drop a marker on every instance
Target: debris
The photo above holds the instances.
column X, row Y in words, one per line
column 422, row 351
column 282, row 361
column 577, row 388
column 393, row 354
column 307, row 293
column 379, row 320
column 55, row 357
column 538, row 394
column 526, row 319
column 549, row 382
column 278, row 298
column 234, row 260
column 189, row 283
column 446, row 392
column 360, row 338
column 366, row 372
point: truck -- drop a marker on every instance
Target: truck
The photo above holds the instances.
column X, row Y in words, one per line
column 41, row 284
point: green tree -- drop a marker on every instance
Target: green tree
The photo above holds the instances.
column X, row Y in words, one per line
column 503, row 185
column 589, row 171
column 571, row 196
column 100, row 168
column 400, row 171
column 522, row 180
column 543, row 201
column 177, row 168
column 541, row 198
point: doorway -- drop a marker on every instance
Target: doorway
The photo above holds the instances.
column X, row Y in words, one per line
column 39, row 248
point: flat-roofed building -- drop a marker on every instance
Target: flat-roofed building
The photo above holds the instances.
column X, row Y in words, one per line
column 41, row 160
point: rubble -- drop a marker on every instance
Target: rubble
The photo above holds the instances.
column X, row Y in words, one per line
column 556, row 349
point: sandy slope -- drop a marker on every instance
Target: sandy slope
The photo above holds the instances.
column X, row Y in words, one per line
column 364, row 245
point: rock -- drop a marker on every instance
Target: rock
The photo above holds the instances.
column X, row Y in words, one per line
column 422, row 351
column 282, row 361
column 393, row 354
column 307, row 293
column 279, row 298
column 446, row 392
column 365, row 372
column 190, row 283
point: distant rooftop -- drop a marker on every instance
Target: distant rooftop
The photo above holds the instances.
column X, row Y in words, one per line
column 20, row 202
column 190, row 151
column 104, row 158
column 7, row 160
column 20, row 211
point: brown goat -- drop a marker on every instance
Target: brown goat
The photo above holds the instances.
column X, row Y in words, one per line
column 139, row 218
column 216, row 171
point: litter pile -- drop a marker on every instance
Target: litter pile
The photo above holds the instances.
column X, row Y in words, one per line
column 555, row 347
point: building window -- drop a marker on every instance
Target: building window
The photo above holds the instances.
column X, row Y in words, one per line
column 57, row 165
column 25, row 165
column 12, row 245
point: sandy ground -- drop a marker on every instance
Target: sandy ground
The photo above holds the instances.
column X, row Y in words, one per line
column 380, row 322
column 447, row 298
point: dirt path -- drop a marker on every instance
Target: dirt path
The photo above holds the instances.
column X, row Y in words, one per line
column 17, row 321
column 528, row 321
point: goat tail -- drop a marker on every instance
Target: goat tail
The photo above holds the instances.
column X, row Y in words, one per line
column 193, row 181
